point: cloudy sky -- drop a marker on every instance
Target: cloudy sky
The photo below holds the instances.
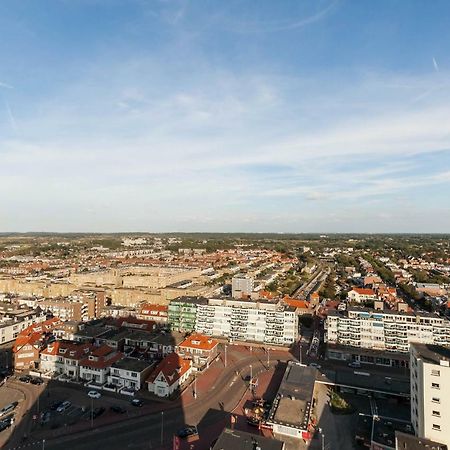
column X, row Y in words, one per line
column 176, row 115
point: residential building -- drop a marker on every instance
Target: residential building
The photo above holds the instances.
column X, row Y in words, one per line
column 14, row 322
column 169, row 375
column 241, row 286
column 430, row 392
column 386, row 329
column 200, row 349
column 129, row 373
column 182, row 312
column 241, row 440
column 63, row 357
column 248, row 321
column 31, row 341
column 156, row 313
column 361, row 295
column 97, row 365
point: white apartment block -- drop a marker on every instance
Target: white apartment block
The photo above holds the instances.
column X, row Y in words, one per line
column 385, row 330
column 11, row 327
column 241, row 285
column 248, row 321
column 430, row 392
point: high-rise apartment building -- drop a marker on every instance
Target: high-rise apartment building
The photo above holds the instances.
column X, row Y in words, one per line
column 248, row 321
column 241, row 286
column 386, row 330
column 430, row 392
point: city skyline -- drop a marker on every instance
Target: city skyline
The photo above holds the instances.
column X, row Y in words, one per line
column 327, row 117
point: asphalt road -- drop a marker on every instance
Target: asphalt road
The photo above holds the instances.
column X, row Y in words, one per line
column 149, row 431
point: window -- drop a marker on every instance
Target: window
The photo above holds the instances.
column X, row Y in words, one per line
column 436, row 413
column 435, row 385
column 436, row 427
column 436, row 400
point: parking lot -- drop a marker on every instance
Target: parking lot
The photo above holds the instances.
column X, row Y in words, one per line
column 82, row 409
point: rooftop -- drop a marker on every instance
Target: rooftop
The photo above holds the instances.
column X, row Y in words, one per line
column 408, row 442
column 292, row 404
column 433, row 354
column 134, row 365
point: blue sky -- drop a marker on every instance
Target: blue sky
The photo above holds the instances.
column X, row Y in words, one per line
column 290, row 116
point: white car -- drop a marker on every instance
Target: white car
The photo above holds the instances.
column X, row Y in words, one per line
column 94, row 394
column 64, row 405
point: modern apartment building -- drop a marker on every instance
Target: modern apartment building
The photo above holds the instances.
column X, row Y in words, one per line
column 241, row 286
column 385, row 329
column 430, row 392
column 182, row 312
column 12, row 324
column 248, row 321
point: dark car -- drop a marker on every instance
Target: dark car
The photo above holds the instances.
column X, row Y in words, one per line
column 6, row 422
column 118, row 409
column 25, row 378
column 55, row 405
column 187, row 431
column 137, row 402
column 98, row 412
column 36, row 380
column 45, row 417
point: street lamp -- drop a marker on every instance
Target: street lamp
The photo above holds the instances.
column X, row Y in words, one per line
column 323, row 438
column 43, row 444
column 225, row 355
column 162, row 427
column 268, row 358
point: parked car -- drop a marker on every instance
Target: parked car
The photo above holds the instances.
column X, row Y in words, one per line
column 94, row 394
column 187, row 431
column 8, row 408
column 354, row 364
column 36, row 380
column 55, row 405
column 315, row 365
column 25, row 378
column 118, row 409
column 46, row 416
column 98, row 412
column 63, row 406
column 137, row 402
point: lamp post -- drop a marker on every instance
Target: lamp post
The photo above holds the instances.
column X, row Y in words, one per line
column 323, row 438
column 268, row 358
column 225, row 355
column 43, row 444
column 300, row 352
column 162, row 427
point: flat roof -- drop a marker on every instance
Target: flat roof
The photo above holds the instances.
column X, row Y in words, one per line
column 292, row 403
column 409, row 442
column 241, row 440
column 432, row 353
column 135, row 365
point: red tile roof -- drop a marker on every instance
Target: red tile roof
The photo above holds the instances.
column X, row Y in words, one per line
column 173, row 367
column 199, row 341
column 68, row 349
column 363, row 291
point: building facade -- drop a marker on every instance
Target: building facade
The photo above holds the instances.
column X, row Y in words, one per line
column 248, row 321
column 241, row 286
column 430, row 392
column 385, row 329
column 182, row 312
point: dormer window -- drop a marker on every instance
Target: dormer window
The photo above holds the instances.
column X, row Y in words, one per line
column 196, row 342
column 72, row 353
